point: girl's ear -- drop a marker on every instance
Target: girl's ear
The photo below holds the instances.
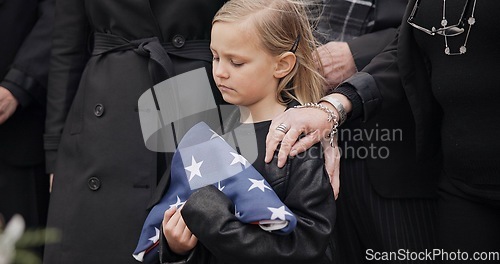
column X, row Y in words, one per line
column 285, row 64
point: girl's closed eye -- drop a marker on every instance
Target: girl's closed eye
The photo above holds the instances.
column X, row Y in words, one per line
column 236, row 63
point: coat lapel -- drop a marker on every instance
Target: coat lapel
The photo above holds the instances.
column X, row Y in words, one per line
column 414, row 75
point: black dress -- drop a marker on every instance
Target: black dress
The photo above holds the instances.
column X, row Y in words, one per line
column 466, row 88
column 451, row 100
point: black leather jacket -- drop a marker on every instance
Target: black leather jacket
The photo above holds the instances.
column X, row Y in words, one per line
column 303, row 185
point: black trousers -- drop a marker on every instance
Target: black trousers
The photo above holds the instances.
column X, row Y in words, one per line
column 369, row 225
column 25, row 191
column 469, row 222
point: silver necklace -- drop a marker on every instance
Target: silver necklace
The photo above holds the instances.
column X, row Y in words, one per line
column 471, row 21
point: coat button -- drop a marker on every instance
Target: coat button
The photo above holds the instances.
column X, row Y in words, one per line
column 94, row 183
column 98, row 110
column 178, row 41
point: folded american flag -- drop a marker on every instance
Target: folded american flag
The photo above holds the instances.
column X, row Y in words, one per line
column 203, row 158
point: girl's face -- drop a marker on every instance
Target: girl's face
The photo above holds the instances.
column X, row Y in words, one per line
column 242, row 69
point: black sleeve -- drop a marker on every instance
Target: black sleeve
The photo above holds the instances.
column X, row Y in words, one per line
column 209, row 215
column 376, row 54
column 27, row 78
column 388, row 16
column 364, row 48
column 69, row 56
column 381, row 72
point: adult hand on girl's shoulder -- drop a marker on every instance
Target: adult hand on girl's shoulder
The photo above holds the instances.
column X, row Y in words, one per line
column 311, row 122
column 314, row 125
column 332, row 164
column 179, row 237
column 51, row 180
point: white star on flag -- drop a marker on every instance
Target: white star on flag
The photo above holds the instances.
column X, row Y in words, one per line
column 140, row 256
column 178, row 203
column 258, row 184
column 215, row 135
column 220, row 187
column 156, row 237
column 194, row 168
column 236, row 213
column 278, row 213
column 238, row 158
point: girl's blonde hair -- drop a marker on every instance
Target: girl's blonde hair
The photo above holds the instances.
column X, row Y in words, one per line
column 280, row 23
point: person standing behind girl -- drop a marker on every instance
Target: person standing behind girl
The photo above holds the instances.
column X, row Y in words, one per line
column 105, row 55
column 262, row 63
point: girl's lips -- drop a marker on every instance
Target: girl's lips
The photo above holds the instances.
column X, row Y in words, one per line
column 224, row 88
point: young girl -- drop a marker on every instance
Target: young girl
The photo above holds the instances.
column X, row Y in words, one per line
column 263, row 63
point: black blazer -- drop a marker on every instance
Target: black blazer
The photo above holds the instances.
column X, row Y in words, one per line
column 396, row 97
column 26, row 29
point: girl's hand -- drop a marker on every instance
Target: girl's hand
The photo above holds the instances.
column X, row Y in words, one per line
column 179, row 237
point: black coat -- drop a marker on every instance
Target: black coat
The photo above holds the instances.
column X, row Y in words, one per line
column 396, row 96
column 304, row 187
column 26, row 30
column 104, row 174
